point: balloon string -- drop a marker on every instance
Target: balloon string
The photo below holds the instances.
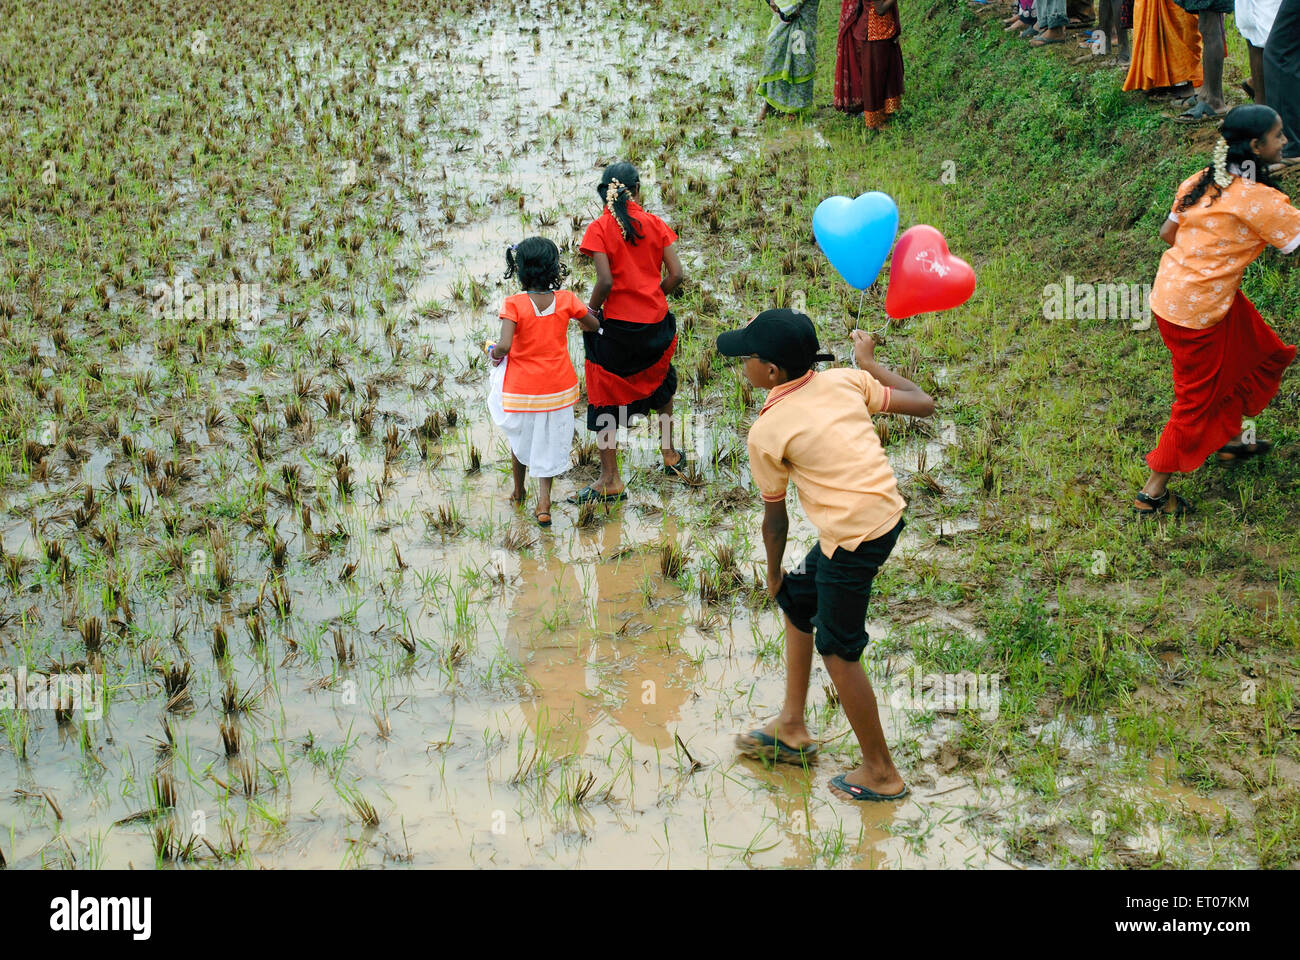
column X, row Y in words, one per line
column 858, row 323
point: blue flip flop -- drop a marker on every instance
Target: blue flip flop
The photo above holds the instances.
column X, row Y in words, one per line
column 862, row 793
column 762, row 746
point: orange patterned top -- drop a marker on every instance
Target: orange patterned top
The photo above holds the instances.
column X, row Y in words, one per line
column 1200, row 274
column 875, row 26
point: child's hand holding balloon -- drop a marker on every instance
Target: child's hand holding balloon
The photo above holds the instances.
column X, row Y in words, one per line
column 864, row 348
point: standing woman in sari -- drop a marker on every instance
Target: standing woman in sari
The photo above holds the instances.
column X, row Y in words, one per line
column 789, row 61
column 869, row 60
column 1166, row 49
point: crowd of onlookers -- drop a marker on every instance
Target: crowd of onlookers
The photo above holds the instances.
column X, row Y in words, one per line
column 1178, row 49
column 1172, row 49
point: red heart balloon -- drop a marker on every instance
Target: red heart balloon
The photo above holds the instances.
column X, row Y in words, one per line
column 924, row 276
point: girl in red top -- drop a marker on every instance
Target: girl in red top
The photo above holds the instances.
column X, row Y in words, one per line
column 534, row 388
column 629, row 361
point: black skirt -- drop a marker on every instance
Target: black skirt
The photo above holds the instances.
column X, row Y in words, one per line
column 629, row 370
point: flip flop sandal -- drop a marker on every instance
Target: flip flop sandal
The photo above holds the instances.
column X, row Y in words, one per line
column 762, row 746
column 1157, row 505
column 1199, row 114
column 676, row 469
column 1239, row 452
column 1029, row 32
column 543, row 519
column 1044, row 41
column 863, row 793
column 592, row 495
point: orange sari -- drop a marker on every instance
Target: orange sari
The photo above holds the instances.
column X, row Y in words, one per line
column 1166, row 46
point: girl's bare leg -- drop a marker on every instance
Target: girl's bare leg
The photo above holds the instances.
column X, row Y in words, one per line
column 520, row 473
column 610, row 481
column 666, row 445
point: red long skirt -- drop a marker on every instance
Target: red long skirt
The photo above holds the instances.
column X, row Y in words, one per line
column 868, row 63
column 1222, row 373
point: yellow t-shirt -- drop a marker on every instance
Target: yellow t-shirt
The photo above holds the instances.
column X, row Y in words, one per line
column 818, row 430
column 1200, row 274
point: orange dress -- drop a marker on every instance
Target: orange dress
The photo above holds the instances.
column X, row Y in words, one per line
column 1227, row 362
column 540, row 375
column 1166, row 47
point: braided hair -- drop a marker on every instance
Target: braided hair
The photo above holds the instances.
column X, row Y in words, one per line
column 536, row 262
column 617, row 185
column 1241, row 126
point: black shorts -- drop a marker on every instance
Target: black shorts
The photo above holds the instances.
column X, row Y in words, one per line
column 831, row 594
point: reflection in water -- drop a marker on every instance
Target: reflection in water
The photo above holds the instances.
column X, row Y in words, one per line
column 598, row 636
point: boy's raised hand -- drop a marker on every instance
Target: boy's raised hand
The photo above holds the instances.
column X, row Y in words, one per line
column 864, row 348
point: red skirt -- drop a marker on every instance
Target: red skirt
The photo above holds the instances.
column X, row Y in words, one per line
column 1222, row 373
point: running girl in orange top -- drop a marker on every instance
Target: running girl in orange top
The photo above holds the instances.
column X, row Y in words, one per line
column 1227, row 361
column 534, row 388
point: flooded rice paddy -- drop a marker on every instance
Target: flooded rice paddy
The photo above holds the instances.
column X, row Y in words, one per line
column 321, row 636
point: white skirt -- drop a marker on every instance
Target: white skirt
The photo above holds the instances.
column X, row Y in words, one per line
column 1255, row 19
column 542, row 442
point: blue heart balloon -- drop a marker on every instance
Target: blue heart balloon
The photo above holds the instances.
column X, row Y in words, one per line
column 856, row 234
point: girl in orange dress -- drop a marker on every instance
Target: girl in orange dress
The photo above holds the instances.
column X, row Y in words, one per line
column 534, row 387
column 1227, row 362
column 869, row 60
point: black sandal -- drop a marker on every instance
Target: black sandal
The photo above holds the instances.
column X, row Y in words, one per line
column 1157, row 505
column 592, row 495
column 675, row 469
column 1237, row 452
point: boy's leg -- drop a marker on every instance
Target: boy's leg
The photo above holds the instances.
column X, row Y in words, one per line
column 797, row 599
column 789, row 726
column 843, row 594
column 877, row 771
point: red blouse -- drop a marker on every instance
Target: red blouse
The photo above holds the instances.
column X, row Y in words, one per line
column 638, row 270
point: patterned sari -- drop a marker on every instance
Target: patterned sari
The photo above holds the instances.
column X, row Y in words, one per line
column 869, row 62
column 786, row 82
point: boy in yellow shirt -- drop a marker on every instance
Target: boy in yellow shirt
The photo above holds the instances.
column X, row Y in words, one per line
column 816, row 429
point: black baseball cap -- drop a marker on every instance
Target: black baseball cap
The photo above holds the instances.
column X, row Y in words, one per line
column 783, row 337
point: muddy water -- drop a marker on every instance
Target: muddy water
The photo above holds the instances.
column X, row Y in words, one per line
column 564, row 703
